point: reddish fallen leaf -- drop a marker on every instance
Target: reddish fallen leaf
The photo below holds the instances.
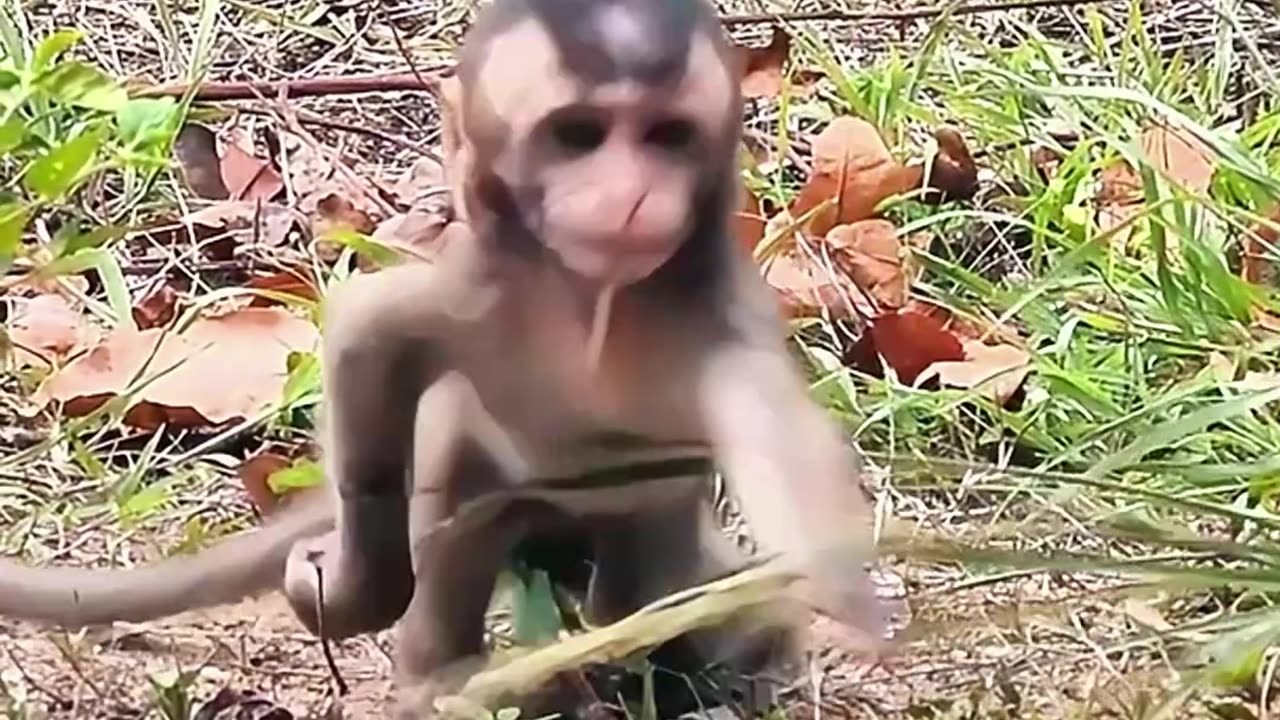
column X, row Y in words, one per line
column 47, row 329
column 954, row 174
column 761, row 67
column 963, row 328
column 221, row 368
column 156, row 309
column 294, row 281
column 997, row 371
column 908, row 342
column 1180, row 156
column 255, row 472
column 246, row 176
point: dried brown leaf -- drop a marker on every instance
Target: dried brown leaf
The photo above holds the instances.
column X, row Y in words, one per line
column 908, row 342
column 46, row 328
column 997, row 371
column 241, row 218
column 221, row 368
column 157, row 309
column 762, row 67
column 852, row 165
column 196, row 148
column 299, row 282
column 869, row 250
column 254, row 474
column 248, row 177
column 424, row 176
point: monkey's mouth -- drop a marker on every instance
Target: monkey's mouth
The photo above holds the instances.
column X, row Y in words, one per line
column 614, row 260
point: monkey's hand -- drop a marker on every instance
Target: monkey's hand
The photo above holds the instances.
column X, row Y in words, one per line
column 329, row 591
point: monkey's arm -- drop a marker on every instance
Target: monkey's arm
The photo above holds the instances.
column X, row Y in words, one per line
column 240, row 566
column 383, row 348
column 796, row 478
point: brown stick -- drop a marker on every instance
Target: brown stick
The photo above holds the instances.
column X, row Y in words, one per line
column 305, row 87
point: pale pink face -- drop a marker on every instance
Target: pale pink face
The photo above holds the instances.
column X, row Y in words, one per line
column 616, row 164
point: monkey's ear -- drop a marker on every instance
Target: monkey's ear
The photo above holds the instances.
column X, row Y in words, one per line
column 453, row 144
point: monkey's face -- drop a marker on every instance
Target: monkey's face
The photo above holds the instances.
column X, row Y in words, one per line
column 600, row 144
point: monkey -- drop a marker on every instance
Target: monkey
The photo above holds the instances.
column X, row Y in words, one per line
column 589, row 307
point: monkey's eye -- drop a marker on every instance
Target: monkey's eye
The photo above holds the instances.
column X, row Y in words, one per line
column 672, row 134
column 579, row 134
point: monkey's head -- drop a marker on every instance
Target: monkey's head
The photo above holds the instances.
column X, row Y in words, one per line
column 602, row 131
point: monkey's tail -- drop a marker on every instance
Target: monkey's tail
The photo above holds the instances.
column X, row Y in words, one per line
column 227, row 572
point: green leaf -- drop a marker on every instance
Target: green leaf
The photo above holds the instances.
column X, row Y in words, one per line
column 536, row 618
column 13, row 220
column 51, row 47
column 302, row 474
column 53, row 175
column 304, row 377
column 12, row 132
column 83, row 85
column 147, row 121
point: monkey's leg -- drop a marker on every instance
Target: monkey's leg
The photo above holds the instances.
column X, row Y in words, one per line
column 441, row 636
column 645, row 556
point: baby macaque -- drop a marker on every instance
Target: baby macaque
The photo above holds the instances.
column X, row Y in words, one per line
column 593, row 309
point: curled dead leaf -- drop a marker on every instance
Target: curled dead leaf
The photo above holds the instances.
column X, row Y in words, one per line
column 953, row 174
column 416, row 233
column 196, row 150
column 869, row 250
column 852, row 165
column 809, row 289
column 335, row 211
column 423, row 177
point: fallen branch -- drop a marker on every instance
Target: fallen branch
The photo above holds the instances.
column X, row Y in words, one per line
column 652, row 625
column 304, row 87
